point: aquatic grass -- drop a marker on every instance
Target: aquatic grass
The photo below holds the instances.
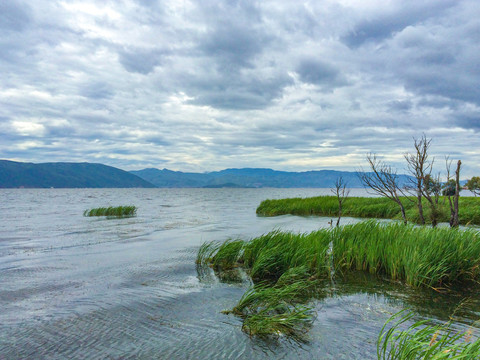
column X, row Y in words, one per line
column 368, row 207
column 117, row 211
column 287, row 269
column 227, row 254
column 271, row 255
column 420, row 256
column 206, row 252
column 294, row 322
column 423, row 341
column 265, row 296
column 277, row 310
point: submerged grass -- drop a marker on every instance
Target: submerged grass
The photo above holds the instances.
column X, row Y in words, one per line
column 279, row 296
column 423, row 341
column 287, row 268
column 118, row 211
column 364, row 207
column 293, row 322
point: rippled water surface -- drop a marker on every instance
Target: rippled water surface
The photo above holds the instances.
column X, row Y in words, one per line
column 83, row 288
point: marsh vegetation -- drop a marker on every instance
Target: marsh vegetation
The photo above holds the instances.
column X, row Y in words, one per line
column 117, row 211
column 424, row 340
column 289, row 273
column 368, row 207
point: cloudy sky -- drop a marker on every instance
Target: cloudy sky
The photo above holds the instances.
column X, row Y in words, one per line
column 211, row 84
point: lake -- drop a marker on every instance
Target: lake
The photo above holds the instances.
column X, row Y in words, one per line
column 81, row 288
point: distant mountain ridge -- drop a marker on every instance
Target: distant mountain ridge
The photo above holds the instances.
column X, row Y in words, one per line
column 66, row 175
column 89, row 175
column 251, row 177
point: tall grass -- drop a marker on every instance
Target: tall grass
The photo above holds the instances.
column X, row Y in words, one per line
column 420, row 256
column 424, row 341
column 118, row 211
column 368, row 208
column 287, row 269
column 268, row 257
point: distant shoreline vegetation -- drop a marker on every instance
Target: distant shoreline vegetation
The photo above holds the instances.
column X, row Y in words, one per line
column 363, row 207
column 118, row 211
column 228, row 185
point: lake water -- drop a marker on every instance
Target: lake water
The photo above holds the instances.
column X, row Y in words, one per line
column 83, row 288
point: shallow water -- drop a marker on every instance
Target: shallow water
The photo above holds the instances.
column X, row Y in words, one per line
column 77, row 287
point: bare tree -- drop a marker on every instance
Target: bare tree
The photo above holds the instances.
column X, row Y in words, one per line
column 341, row 192
column 382, row 180
column 419, row 166
column 457, row 195
column 449, row 192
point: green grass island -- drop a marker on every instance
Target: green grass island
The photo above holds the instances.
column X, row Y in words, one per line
column 112, row 211
column 290, row 271
column 369, row 207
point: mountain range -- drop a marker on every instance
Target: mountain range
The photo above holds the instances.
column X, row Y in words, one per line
column 66, row 175
column 248, row 177
column 88, row 175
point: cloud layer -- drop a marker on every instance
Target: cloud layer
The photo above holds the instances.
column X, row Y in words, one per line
column 206, row 85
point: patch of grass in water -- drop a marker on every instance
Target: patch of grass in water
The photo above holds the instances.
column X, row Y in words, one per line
column 368, row 207
column 262, row 297
column 206, row 252
column 288, row 269
column 294, row 322
column 118, row 211
column 419, row 256
column 285, row 268
column 424, row 341
column 227, row 255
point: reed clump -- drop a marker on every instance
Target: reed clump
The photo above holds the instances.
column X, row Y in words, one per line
column 287, row 269
column 293, row 322
column 419, row 256
column 117, row 211
column 423, row 341
column 364, row 207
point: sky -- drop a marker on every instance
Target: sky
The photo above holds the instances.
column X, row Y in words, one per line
column 208, row 85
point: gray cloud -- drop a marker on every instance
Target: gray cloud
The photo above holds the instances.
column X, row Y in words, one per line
column 388, row 21
column 14, row 16
column 96, row 90
column 207, row 85
column 238, row 91
column 141, row 61
column 320, row 73
column 468, row 121
column 400, row 105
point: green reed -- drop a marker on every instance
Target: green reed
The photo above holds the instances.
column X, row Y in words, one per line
column 287, row 268
column 118, row 211
column 420, row 256
column 368, row 208
column 293, row 322
column 423, row 341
